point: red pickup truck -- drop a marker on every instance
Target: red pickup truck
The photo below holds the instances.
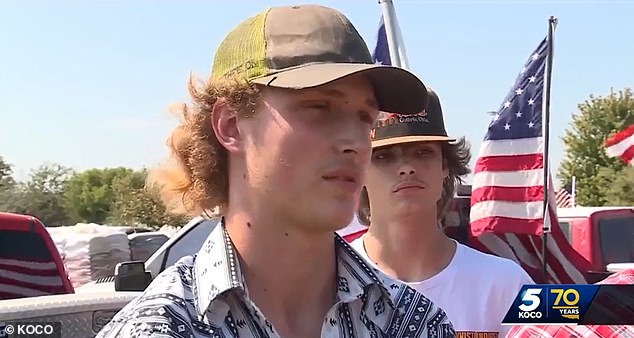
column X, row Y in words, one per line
column 604, row 236
column 30, row 264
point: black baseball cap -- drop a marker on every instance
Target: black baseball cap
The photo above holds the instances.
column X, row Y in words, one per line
column 427, row 125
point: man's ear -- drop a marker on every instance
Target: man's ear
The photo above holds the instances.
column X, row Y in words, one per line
column 445, row 167
column 363, row 209
column 224, row 122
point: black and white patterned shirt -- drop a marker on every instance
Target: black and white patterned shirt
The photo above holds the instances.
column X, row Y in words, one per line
column 205, row 296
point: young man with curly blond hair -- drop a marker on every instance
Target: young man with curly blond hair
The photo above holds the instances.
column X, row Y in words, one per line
column 278, row 141
column 413, row 173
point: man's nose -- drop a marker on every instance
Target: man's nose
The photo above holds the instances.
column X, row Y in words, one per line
column 406, row 169
column 354, row 143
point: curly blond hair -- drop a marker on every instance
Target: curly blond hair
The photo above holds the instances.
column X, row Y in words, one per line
column 195, row 178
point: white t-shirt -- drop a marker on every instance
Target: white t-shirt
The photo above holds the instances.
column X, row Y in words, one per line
column 475, row 290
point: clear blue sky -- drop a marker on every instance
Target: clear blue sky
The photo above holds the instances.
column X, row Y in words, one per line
column 88, row 84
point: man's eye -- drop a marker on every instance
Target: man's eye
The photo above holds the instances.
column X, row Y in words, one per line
column 367, row 118
column 424, row 151
column 382, row 156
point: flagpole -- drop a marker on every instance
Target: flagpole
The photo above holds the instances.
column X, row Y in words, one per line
column 546, row 228
column 389, row 18
column 402, row 53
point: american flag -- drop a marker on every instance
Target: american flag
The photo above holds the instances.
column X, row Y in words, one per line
column 508, row 185
column 381, row 53
column 563, row 198
column 621, row 145
column 21, row 278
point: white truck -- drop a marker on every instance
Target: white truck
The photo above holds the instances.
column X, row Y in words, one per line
column 84, row 313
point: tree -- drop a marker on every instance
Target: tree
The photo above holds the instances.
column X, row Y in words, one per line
column 89, row 195
column 6, row 175
column 58, row 196
column 41, row 195
column 137, row 205
column 620, row 191
column 7, row 185
column 585, row 158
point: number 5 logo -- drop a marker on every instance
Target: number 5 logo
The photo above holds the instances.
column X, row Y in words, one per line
column 531, row 296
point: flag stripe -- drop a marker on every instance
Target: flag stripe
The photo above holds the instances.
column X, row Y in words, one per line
column 505, row 224
column 10, row 295
column 31, row 279
column 512, row 147
column 520, row 211
column 29, row 271
column 619, row 137
column 530, row 178
column 526, row 250
column 628, row 155
column 621, row 145
column 509, row 163
column 29, row 264
column 20, row 291
column 523, row 246
column 508, row 194
column 24, row 285
column 563, row 199
column 570, row 261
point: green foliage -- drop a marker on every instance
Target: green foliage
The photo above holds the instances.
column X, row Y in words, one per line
column 597, row 174
column 89, row 196
column 7, row 184
column 58, row 196
column 620, row 189
column 40, row 196
column 6, row 178
column 136, row 205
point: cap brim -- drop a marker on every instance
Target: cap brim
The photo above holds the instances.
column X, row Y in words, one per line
column 409, row 139
column 396, row 90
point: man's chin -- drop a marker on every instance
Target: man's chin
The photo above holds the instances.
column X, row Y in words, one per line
column 406, row 209
column 336, row 220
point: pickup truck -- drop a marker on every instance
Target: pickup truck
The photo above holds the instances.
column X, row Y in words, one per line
column 603, row 236
column 93, row 305
column 30, row 264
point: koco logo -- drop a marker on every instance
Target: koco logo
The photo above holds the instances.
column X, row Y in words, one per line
column 530, row 302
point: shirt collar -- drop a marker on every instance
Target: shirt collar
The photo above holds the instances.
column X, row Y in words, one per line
column 217, row 271
column 356, row 277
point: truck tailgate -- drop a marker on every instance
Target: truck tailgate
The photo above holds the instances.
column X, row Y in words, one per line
column 82, row 315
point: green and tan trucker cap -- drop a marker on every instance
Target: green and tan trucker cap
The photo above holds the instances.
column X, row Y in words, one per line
column 307, row 46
